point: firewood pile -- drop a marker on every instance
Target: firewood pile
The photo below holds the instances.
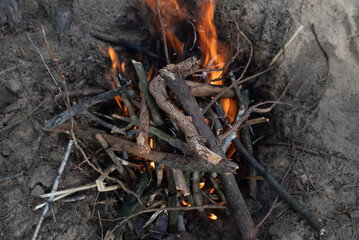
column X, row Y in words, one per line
column 172, row 138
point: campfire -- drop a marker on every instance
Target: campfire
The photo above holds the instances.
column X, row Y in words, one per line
column 175, row 132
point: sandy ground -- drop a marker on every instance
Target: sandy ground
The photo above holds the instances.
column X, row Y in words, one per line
column 324, row 117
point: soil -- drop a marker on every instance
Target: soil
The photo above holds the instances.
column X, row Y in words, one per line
column 323, row 117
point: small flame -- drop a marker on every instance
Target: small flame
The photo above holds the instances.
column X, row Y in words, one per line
column 212, row 216
column 201, row 184
column 114, row 59
column 151, row 143
column 116, row 64
column 230, row 150
column 150, row 71
column 185, row 203
column 123, row 70
column 117, row 98
column 212, row 191
column 171, row 14
column 118, row 67
column 152, row 165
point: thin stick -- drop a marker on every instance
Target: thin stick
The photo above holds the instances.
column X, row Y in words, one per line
column 8, row 70
column 99, row 219
column 43, row 60
column 255, row 109
column 54, row 200
column 66, row 226
column 54, row 188
column 277, row 197
column 163, row 34
column 62, row 79
column 273, row 183
column 236, row 83
column 25, row 116
column 274, row 59
column 2, row 179
column 157, row 119
column 72, row 126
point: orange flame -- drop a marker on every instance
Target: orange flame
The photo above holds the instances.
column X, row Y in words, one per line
column 119, row 68
column 151, row 143
column 209, row 42
column 213, row 59
column 150, row 71
column 152, row 165
column 114, row 59
column 201, row 184
column 212, row 216
column 171, row 13
column 184, row 203
column 123, row 70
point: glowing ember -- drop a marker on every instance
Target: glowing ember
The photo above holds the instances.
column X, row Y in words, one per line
column 123, row 67
column 171, row 14
column 212, row 191
column 201, row 184
column 151, row 143
column 212, row 216
column 184, row 203
column 152, row 165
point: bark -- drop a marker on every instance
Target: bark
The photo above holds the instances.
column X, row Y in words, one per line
column 142, row 138
column 158, row 90
column 198, row 89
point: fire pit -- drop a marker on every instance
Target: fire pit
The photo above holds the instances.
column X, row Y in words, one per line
column 174, row 124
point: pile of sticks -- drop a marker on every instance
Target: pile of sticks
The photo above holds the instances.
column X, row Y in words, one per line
column 188, row 151
column 189, row 139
